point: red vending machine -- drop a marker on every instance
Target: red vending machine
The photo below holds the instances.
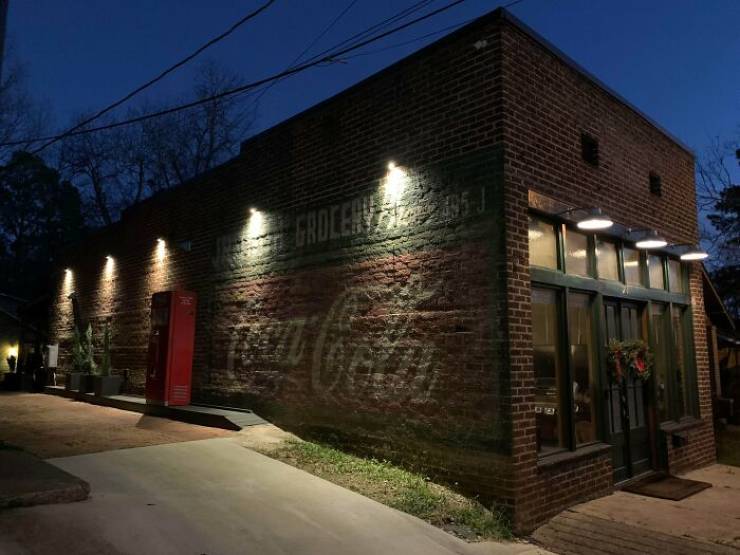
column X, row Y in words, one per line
column 170, row 364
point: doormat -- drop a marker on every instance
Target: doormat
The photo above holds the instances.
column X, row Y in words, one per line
column 664, row 486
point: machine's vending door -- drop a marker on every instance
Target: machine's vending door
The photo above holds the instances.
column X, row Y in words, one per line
column 156, row 374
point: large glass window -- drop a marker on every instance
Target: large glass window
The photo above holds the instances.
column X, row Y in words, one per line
column 580, row 336
column 631, row 266
column 675, row 276
column 607, row 261
column 548, row 369
column 680, row 376
column 661, row 351
column 576, row 253
column 655, row 272
column 542, row 244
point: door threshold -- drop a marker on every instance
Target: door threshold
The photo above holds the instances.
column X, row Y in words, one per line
column 633, row 479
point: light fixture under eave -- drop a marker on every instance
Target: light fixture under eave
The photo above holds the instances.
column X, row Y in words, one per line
column 694, row 253
column 651, row 239
column 590, row 219
column 594, row 219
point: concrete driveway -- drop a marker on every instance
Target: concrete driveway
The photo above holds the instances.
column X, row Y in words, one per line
column 216, row 497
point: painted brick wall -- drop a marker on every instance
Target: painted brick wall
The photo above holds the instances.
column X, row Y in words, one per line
column 547, row 105
column 341, row 307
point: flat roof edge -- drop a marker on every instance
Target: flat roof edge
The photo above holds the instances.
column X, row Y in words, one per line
column 562, row 56
column 498, row 13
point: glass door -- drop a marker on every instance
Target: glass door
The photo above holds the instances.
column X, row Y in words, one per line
column 626, row 400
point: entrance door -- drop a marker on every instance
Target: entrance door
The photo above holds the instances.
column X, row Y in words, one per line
column 626, row 402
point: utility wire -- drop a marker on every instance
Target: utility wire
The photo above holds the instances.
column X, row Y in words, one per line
column 384, row 24
column 422, row 37
column 330, row 57
column 159, row 77
column 306, row 50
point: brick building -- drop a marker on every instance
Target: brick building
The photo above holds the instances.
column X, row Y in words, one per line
column 397, row 267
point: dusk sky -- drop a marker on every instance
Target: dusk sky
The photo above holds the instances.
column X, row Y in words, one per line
column 677, row 60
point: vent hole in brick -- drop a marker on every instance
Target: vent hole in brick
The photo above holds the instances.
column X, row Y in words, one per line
column 656, row 184
column 590, row 149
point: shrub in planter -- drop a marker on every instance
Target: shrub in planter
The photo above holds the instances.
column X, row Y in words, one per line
column 74, row 378
column 83, row 364
column 105, row 383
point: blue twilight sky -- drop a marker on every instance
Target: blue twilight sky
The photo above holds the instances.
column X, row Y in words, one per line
column 677, row 60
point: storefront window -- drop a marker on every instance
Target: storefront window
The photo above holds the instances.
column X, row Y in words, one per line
column 542, row 244
column 576, row 253
column 655, row 271
column 679, row 364
column 675, row 276
column 631, row 266
column 580, row 336
column 606, row 260
column 661, row 351
column 548, row 369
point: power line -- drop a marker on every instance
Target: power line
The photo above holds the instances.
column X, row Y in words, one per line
column 422, row 37
column 354, row 38
column 306, row 49
column 332, row 56
column 159, row 77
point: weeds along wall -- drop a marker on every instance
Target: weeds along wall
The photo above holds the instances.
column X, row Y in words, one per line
column 348, row 265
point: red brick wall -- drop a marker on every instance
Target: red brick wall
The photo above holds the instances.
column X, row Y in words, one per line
column 387, row 332
column 547, row 104
column 406, row 332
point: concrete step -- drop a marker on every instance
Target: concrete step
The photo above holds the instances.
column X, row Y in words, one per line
column 226, row 418
column 26, row 480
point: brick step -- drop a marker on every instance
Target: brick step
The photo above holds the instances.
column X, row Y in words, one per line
column 575, row 533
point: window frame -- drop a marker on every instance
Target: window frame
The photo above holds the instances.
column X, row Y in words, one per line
column 597, row 288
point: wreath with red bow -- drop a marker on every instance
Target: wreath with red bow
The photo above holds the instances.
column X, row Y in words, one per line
column 629, row 357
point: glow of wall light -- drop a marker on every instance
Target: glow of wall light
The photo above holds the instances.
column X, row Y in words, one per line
column 68, row 283
column 156, row 278
column 13, row 351
column 395, row 182
column 106, row 291
column 256, row 225
column 161, row 250
column 110, row 266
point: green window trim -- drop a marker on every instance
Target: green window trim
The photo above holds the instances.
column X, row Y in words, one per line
column 597, row 288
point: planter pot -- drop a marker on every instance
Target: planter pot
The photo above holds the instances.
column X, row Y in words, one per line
column 11, row 381
column 27, row 383
column 73, row 381
column 87, row 383
column 105, row 386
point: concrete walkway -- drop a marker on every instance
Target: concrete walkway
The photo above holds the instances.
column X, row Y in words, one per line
column 216, row 497
column 625, row 523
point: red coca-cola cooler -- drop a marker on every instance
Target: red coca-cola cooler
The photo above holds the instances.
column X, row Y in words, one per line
column 170, row 362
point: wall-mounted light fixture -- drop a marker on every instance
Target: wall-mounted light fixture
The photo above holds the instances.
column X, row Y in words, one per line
column 395, row 181
column 689, row 252
column 589, row 219
column 256, row 221
column 646, row 238
column 109, row 265
column 161, row 249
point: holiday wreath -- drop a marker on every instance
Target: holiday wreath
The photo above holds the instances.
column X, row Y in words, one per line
column 631, row 356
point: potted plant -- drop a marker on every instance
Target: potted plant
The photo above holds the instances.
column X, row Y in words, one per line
column 11, row 380
column 74, row 378
column 105, row 383
column 89, row 368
